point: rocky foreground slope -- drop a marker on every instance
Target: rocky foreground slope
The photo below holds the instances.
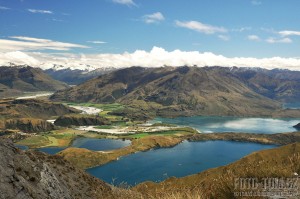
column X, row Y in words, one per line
column 32, row 174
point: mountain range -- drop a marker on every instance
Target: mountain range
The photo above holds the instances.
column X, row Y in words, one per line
column 175, row 91
column 74, row 77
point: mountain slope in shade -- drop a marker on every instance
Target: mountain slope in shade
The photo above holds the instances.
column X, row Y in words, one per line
column 15, row 80
column 175, row 91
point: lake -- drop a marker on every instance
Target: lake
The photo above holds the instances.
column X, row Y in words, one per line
column 88, row 143
column 100, row 144
column 233, row 124
column 51, row 150
column 291, row 105
column 184, row 159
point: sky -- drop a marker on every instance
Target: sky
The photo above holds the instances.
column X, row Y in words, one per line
column 118, row 33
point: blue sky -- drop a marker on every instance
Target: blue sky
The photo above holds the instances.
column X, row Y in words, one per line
column 231, row 28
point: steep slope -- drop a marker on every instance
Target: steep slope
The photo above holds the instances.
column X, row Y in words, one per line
column 279, row 163
column 174, row 91
column 18, row 79
column 34, row 174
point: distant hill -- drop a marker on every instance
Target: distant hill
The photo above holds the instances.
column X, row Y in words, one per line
column 174, row 91
column 17, row 79
column 74, row 77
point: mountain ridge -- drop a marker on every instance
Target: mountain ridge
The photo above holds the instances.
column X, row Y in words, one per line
column 176, row 90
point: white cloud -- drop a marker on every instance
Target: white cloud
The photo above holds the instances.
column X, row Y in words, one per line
column 272, row 40
column 124, row 2
column 154, row 18
column 4, row 8
column 97, row 42
column 224, row 37
column 256, row 2
column 40, row 11
column 155, row 58
column 286, row 33
column 18, row 57
column 20, row 43
column 200, row 27
column 253, row 38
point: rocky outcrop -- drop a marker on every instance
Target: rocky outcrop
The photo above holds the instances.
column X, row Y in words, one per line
column 29, row 125
column 297, row 126
column 81, row 120
column 33, row 174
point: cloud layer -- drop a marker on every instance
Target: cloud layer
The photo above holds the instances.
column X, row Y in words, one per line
column 20, row 43
column 155, row 58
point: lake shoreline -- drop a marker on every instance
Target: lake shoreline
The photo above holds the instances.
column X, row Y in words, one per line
column 155, row 143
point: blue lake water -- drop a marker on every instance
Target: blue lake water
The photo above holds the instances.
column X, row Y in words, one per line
column 291, row 105
column 22, row 147
column 100, row 144
column 51, row 150
column 184, row 159
column 233, row 124
column 88, row 143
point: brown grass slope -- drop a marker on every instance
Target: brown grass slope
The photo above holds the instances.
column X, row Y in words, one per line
column 219, row 182
column 175, row 91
